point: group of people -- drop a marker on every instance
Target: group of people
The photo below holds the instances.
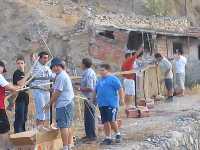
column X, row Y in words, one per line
column 133, row 61
column 168, row 69
column 106, row 92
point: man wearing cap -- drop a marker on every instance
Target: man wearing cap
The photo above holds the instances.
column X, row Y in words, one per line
column 4, row 123
column 41, row 94
column 63, row 97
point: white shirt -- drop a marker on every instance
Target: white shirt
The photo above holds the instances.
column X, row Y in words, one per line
column 180, row 64
column 138, row 64
column 63, row 84
column 3, row 81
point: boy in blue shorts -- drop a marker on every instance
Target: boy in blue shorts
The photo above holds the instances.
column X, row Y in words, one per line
column 108, row 92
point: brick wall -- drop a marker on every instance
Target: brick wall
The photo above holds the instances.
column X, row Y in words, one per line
column 111, row 51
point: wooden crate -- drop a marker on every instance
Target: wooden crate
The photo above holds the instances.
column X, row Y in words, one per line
column 31, row 140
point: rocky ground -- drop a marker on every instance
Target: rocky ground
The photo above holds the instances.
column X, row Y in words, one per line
column 171, row 126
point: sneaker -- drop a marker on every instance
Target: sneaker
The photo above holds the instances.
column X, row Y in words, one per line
column 118, row 138
column 106, row 142
column 93, row 139
column 88, row 140
column 85, row 138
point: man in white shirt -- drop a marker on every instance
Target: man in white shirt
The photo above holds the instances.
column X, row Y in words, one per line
column 180, row 63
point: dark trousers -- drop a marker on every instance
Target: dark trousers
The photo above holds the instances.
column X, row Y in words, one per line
column 89, row 120
column 21, row 110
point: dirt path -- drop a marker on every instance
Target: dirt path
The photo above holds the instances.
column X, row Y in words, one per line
column 164, row 117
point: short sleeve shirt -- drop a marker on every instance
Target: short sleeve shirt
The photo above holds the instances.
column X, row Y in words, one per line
column 17, row 76
column 63, row 84
column 22, row 96
column 128, row 65
column 107, row 91
column 180, row 64
column 3, row 81
column 88, row 80
column 164, row 66
column 138, row 64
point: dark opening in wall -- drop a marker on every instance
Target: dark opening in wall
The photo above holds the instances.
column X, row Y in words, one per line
column 135, row 41
column 108, row 34
column 199, row 52
column 177, row 45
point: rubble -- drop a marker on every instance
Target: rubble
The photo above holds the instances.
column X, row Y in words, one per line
column 157, row 140
column 184, row 120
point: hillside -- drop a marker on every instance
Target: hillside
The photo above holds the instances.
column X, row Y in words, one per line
column 63, row 23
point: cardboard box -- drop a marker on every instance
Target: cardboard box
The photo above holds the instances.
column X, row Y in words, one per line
column 35, row 140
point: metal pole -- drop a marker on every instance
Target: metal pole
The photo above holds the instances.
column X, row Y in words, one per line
column 135, row 89
column 185, row 8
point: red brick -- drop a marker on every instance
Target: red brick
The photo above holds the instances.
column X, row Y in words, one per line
column 142, row 102
column 138, row 112
column 150, row 103
column 132, row 112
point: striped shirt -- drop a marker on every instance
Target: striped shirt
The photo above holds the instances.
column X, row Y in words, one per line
column 42, row 75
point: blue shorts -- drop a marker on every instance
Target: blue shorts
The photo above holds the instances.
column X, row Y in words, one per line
column 64, row 116
column 169, row 84
column 108, row 114
column 41, row 98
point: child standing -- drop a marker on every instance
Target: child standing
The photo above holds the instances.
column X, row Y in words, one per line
column 22, row 100
column 108, row 92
